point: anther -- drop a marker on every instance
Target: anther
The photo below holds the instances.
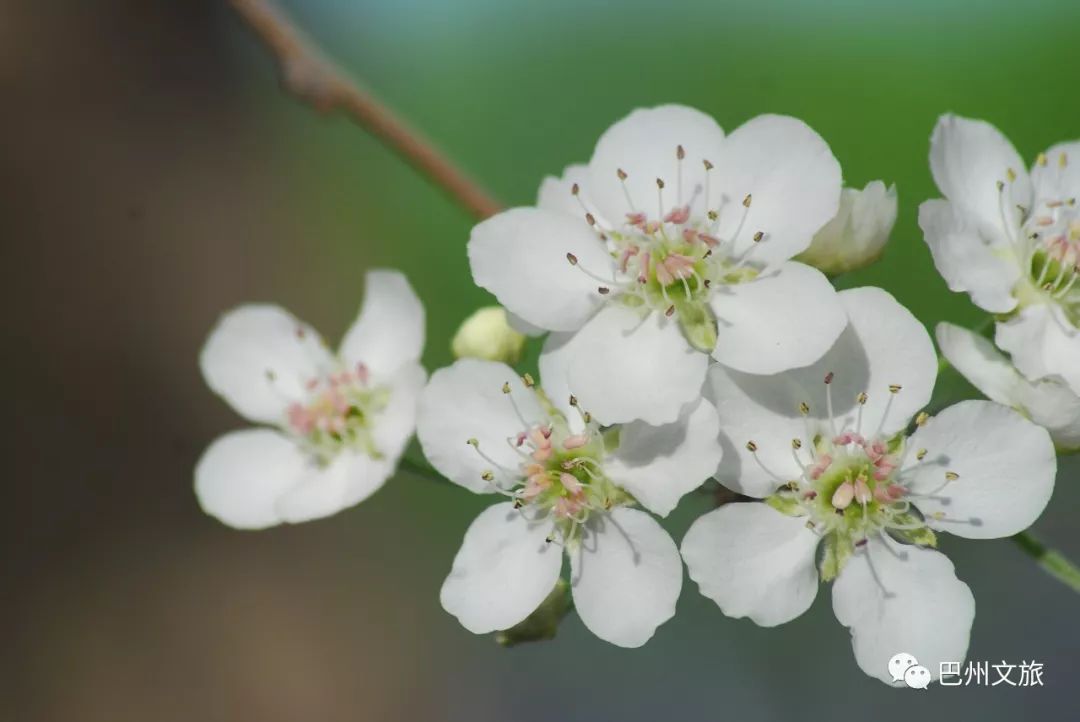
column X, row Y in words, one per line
column 895, row 388
column 713, row 215
column 506, row 387
column 603, row 290
column 475, row 443
column 528, row 379
column 1041, row 160
column 751, row 446
column 679, row 152
column 707, row 283
column 951, row 476
column 572, row 258
column 746, row 201
column 487, row 476
column 587, row 417
column 862, row 398
column 796, row 444
column 828, row 378
column 1000, row 186
column 573, row 400
column 1010, row 174
column 271, row 376
column 574, row 189
column 804, row 408
column 921, row 454
column 590, row 219
column 621, row 173
column 660, row 183
column 708, row 165
column 922, row 418
column 670, row 311
column 758, row 236
column 1063, row 160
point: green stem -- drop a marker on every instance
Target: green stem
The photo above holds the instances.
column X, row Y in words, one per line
column 1052, row 562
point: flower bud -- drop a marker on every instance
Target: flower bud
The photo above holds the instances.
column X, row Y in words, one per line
column 857, row 234
column 486, row 334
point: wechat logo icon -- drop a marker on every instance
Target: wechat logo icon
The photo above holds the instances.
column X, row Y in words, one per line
column 903, row 667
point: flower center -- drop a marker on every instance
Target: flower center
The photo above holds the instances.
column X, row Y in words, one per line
column 850, row 486
column 673, row 261
column 560, row 473
column 1046, row 240
column 337, row 414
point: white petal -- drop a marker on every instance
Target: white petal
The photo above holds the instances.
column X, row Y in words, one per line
column 659, row 464
column 794, row 180
column 1006, row 466
column 856, row 236
column 971, row 258
column 626, row 577
column 394, row 426
column 623, row 367
column 502, row 572
column 556, row 194
column 522, row 326
column 784, row 319
column 389, row 332
column 348, row 480
column 1048, row 402
column 979, row 362
column 465, row 401
column 1059, row 179
column 241, row 475
column 555, row 377
column 520, row 255
column 883, row 345
column 259, row 358
column 968, row 158
column 903, row 599
column 753, row 562
column 1041, row 345
column 644, row 145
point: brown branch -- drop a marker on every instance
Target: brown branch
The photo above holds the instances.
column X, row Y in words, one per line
column 306, row 74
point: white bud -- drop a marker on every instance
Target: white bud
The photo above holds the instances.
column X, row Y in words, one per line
column 856, row 236
column 486, row 334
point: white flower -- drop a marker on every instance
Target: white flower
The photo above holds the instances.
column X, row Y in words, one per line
column 826, row 447
column 1048, row 402
column 570, row 486
column 337, row 423
column 670, row 245
column 857, row 234
column 487, row 334
column 1010, row 240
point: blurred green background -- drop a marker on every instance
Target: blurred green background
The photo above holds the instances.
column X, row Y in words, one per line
column 156, row 176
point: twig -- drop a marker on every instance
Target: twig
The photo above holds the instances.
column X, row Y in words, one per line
column 1051, row 561
column 310, row 77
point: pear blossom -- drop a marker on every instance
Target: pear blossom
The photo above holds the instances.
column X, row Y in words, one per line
column 1048, row 402
column 570, row 486
column 333, row 426
column 857, row 234
column 671, row 245
column 827, row 448
column 1011, row 240
column 487, row 334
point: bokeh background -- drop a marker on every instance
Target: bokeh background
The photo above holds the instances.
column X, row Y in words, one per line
column 156, row 176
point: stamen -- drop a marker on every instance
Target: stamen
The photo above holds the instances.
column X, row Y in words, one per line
column 828, row 402
column 626, row 191
column 680, row 154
